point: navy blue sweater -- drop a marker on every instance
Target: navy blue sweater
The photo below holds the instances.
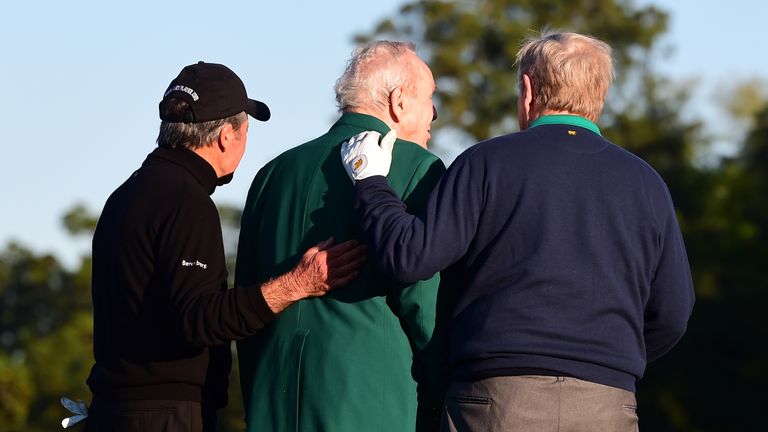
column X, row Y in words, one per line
column 562, row 252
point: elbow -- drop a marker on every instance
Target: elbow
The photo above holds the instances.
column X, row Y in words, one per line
column 195, row 329
column 662, row 342
column 193, row 335
column 403, row 269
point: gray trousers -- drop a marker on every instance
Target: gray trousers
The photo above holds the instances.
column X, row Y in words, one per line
column 533, row 403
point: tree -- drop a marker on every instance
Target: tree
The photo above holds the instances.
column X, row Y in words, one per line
column 45, row 342
column 471, row 48
column 16, row 392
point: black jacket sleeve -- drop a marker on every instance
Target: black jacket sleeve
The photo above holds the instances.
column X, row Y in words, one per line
column 192, row 254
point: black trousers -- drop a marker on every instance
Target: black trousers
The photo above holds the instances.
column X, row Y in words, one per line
column 148, row 416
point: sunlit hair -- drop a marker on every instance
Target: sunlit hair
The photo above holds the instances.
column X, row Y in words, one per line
column 372, row 73
column 570, row 72
column 193, row 135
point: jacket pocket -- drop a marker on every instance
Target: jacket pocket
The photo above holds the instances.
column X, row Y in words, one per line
column 469, row 399
column 465, row 412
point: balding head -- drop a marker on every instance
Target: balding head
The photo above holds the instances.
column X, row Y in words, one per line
column 570, row 73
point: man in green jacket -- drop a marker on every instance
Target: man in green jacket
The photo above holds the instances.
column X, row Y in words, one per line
column 366, row 357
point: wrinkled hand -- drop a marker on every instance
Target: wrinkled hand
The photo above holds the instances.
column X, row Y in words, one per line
column 363, row 157
column 321, row 268
column 325, row 267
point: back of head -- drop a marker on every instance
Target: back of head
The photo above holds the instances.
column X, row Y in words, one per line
column 570, row 72
column 373, row 72
column 191, row 135
column 200, row 101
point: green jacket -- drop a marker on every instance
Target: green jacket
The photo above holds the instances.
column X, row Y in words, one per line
column 353, row 359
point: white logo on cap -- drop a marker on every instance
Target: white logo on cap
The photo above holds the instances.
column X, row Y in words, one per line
column 184, row 89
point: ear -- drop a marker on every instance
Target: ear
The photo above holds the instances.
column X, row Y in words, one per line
column 396, row 104
column 527, row 94
column 526, row 102
column 226, row 136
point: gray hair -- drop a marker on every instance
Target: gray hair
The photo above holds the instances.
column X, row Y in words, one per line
column 194, row 135
column 571, row 72
column 372, row 73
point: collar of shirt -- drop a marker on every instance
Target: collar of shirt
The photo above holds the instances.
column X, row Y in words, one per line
column 198, row 167
column 363, row 122
column 565, row 119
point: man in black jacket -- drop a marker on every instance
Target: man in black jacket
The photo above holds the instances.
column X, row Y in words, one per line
column 562, row 250
column 163, row 316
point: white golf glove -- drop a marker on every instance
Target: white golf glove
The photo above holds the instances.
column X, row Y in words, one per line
column 363, row 157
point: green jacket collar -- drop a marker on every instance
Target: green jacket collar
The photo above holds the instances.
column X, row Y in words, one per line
column 362, row 121
column 565, row 119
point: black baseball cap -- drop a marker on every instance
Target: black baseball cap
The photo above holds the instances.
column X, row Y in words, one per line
column 213, row 92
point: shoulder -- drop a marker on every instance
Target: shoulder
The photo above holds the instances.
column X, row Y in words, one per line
column 412, row 156
column 645, row 179
column 290, row 169
column 298, row 157
column 627, row 160
column 504, row 148
column 163, row 201
column 167, row 188
column 513, row 142
column 414, row 167
column 411, row 149
column 177, row 191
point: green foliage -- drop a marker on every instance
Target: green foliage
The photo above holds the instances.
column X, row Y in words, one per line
column 471, row 48
column 37, row 297
column 45, row 337
column 16, row 392
column 61, row 361
column 712, row 381
column 232, row 418
column 744, row 100
column 79, row 221
column 230, row 232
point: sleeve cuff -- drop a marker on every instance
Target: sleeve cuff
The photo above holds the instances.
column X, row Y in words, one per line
column 372, row 180
column 259, row 304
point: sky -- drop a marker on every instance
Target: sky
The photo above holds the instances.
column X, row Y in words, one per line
column 81, row 81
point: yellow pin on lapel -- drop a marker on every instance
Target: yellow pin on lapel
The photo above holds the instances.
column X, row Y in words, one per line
column 571, row 132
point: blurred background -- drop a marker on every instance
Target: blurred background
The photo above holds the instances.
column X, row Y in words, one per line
column 81, row 81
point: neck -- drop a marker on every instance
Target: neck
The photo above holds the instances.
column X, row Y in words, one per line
column 375, row 113
column 213, row 157
column 553, row 112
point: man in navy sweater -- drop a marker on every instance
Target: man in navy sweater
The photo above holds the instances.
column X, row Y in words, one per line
column 562, row 252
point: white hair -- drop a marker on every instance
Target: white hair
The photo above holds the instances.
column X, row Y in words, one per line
column 373, row 71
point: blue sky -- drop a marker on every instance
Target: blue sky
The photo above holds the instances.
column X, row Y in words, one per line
column 82, row 79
